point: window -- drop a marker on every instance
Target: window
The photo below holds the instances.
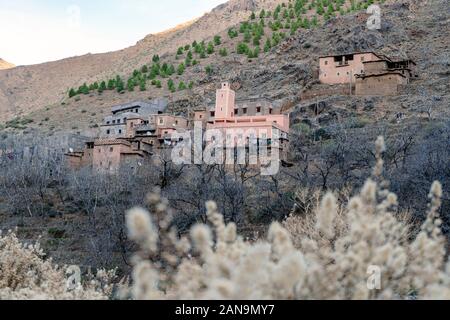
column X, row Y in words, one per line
column 362, row 58
column 258, row 109
column 161, row 121
column 108, row 131
column 326, row 62
column 338, row 74
column 213, row 114
column 114, row 121
column 111, row 149
column 236, row 111
column 176, row 122
column 132, row 124
column 270, row 111
column 200, row 116
column 108, row 122
column 137, row 110
column 244, row 111
column 120, row 131
column 118, row 121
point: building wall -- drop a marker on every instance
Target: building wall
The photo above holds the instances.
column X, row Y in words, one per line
column 107, row 157
column 225, row 98
column 381, row 85
column 113, row 131
column 332, row 73
column 375, row 67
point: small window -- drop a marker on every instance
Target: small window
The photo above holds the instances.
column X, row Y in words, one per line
column 118, row 121
column 236, row 111
column 244, row 111
column 338, row 74
column 114, row 121
column 176, row 122
column 362, row 58
column 132, row 124
column 120, row 131
column 270, row 111
column 137, row 110
column 108, row 122
column 111, row 149
column 200, row 116
column 108, row 131
column 99, row 150
column 258, row 109
column 326, row 62
column 161, row 121
column 213, row 114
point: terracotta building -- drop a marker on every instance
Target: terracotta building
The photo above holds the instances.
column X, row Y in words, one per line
column 370, row 73
column 257, row 124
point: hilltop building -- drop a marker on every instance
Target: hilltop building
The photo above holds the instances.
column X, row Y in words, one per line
column 370, row 73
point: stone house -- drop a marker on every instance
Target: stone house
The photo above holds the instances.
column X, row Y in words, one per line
column 368, row 72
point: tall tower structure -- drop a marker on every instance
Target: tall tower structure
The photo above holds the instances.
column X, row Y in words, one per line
column 225, row 102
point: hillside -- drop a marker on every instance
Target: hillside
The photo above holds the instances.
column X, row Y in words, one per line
column 5, row 65
column 28, row 88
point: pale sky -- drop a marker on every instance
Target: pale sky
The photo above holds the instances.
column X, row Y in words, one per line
column 33, row 31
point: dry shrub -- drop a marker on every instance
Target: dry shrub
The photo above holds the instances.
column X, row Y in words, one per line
column 26, row 275
column 330, row 259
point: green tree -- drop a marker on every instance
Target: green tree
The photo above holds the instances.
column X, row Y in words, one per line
column 181, row 69
column 142, row 84
column 191, row 84
column 210, row 49
column 144, row 69
column 180, row 51
column 158, row 84
column 111, row 84
column 247, row 36
column 187, row 47
column 84, row 89
column 252, row 16
column 181, row 86
column 262, row 14
column 130, row 84
column 217, row 40
column 120, row 86
column 155, row 58
column 242, row 48
column 223, row 52
column 209, row 70
column 267, row 45
column 102, row 86
column 72, row 93
column 171, row 85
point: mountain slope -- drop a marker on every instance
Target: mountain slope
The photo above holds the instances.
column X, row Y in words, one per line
column 5, row 65
column 27, row 88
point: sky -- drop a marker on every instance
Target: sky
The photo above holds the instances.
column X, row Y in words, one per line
column 33, row 31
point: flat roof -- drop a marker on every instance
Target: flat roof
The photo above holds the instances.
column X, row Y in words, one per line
column 379, row 74
column 355, row 53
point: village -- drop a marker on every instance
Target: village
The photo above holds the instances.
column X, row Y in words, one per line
column 136, row 131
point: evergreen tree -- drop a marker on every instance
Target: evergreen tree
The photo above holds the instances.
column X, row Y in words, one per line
column 223, row 52
column 130, row 84
column 208, row 70
column 102, row 86
column 158, row 84
column 210, row 49
column 268, row 45
column 180, row 51
column 120, row 86
column 262, row 14
column 217, row 40
column 111, row 84
column 181, row 69
column 252, row 16
column 181, row 86
column 187, row 47
column 191, row 84
column 155, row 58
column 144, row 69
column 72, row 93
column 171, row 85
column 142, row 84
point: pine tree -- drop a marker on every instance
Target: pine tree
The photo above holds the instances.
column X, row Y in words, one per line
column 111, row 84
column 217, row 40
column 144, row 69
column 102, row 86
column 262, row 14
column 155, row 58
column 252, row 16
column 120, row 86
column 171, row 85
column 191, row 84
column 180, row 51
column 142, row 84
column 181, row 86
column 268, row 45
column 209, row 70
column 72, row 93
column 158, row 84
column 223, row 52
column 181, row 69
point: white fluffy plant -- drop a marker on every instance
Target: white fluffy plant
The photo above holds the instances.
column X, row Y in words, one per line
column 330, row 261
column 25, row 274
